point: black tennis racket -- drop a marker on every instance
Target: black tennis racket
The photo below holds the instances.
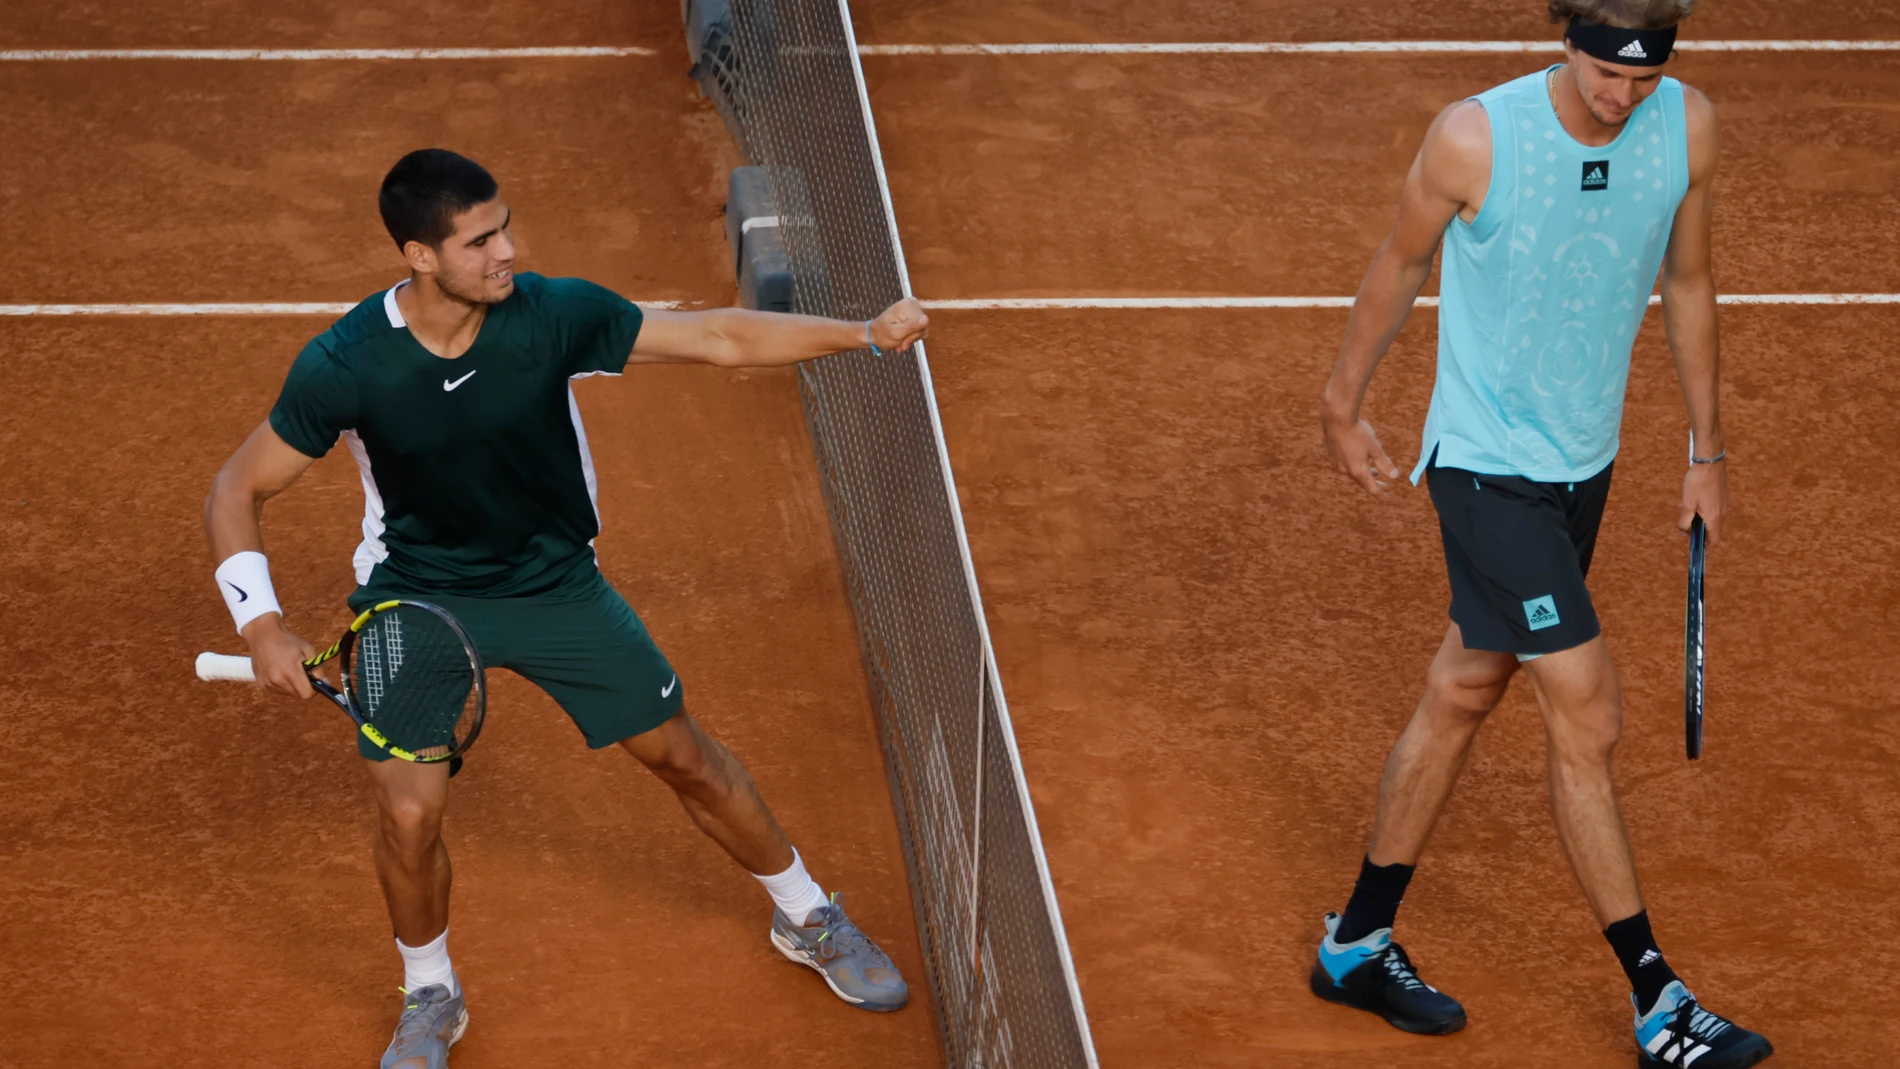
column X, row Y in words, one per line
column 408, row 675
column 1692, row 654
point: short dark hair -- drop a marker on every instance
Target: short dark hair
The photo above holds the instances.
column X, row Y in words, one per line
column 1627, row 14
column 426, row 190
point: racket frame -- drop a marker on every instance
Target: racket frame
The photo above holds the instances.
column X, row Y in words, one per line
column 1693, row 633
column 341, row 696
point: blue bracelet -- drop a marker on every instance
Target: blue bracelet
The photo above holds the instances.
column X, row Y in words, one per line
column 869, row 344
column 1716, row 459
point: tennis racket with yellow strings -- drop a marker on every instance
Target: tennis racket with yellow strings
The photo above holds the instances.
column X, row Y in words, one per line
column 408, row 676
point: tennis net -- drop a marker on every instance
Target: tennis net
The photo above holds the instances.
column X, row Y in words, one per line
column 785, row 75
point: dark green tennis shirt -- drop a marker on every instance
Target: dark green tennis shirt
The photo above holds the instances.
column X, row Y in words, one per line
column 476, row 475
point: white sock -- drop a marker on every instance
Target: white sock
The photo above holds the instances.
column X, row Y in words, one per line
column 425, row 965
column 794, row 891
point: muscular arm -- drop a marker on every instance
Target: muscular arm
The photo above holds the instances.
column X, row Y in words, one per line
column 1448, row 179
column 736, row 337
column 263, row 467
column 1689, row 319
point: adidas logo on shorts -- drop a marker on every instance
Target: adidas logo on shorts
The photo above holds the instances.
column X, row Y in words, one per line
column 1633, row 50
column 1540, row 613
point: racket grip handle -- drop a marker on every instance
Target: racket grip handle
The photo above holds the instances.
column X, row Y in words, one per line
column 225, row 668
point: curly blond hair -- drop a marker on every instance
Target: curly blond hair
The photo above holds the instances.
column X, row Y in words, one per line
column 1628, row 14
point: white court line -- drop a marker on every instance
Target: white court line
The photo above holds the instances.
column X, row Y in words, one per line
column 1801, row 298
column 211, row 309
column 28, row 55
column 1047, row 303
column 1341, row 47
column 1020, row 304
column 32, row 55
column 278, row 309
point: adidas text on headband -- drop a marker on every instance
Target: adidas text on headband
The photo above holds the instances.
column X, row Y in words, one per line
column 1616, row 44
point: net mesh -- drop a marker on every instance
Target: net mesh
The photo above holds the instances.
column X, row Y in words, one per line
column 784, row 74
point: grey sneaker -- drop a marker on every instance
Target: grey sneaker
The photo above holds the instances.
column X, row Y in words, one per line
column 853, row 966
column 431, row 1023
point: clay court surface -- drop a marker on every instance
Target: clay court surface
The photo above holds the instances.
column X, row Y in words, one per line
column 1209, row 640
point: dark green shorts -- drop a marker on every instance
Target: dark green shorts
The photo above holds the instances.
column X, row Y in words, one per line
column 582, row 644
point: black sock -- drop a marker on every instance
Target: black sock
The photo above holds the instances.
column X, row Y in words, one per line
column 1635, row 948
column 1375, row 900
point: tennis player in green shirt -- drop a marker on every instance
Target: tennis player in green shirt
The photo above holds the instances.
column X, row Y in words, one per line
column 451, row 391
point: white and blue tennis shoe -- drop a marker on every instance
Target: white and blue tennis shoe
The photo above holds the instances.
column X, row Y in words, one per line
column 1677, row 1033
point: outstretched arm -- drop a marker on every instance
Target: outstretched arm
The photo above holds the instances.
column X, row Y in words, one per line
column 263, row 467
column 1450, row 175
column 736, row 337
column 1688, row 304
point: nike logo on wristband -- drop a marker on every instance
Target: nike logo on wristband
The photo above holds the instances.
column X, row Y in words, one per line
column 242, row 596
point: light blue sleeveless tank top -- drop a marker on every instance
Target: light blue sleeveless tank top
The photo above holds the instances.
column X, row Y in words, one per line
column 1542, row 292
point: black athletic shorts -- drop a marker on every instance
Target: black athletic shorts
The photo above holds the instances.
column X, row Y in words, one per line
column 1516, row 552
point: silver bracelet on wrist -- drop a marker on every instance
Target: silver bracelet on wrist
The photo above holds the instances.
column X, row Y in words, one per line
column 1716, row 459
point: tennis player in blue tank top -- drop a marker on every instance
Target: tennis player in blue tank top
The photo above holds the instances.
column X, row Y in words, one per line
column 1561, row 199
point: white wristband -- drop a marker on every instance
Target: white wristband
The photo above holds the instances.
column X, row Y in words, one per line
column 244, row 580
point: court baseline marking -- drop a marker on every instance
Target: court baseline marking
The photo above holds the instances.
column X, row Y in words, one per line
column 280, row 308
column 213, row 308
column 34, row 55
column 1183, row 48
column 1044, row 303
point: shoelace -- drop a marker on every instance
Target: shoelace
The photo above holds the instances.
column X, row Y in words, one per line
column 842, row 937
column 1692, row 1025
column 1398, row 968
column 412, row 1022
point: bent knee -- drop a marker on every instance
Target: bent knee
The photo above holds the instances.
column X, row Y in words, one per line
column 1465, row 695
column 690, row 770
column 1589, row 734
column 410, row 824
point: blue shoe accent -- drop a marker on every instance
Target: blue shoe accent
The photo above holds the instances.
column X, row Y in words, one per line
column 1374, row 974
column 1677, row 1033
column 1339, row 959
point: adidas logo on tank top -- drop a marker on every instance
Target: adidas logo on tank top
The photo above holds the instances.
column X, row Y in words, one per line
column 1542, row 294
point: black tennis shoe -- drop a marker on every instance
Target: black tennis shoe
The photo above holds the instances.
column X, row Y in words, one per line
column 1677, row 1033
column 1376, row 975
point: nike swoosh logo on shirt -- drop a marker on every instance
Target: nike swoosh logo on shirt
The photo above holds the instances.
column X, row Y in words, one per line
column 668, row 692
column 242, row 596
column 447, row 385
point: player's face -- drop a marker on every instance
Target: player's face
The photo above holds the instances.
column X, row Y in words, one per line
column 1611, row 91
column 476, row 263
